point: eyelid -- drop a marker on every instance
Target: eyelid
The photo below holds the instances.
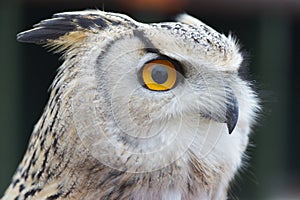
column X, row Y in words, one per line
column 178, row 66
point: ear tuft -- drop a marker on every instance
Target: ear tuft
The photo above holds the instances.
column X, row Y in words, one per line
column 188, row 19
column 62, row 24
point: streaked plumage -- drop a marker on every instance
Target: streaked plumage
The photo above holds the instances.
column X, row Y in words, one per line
column 106, row 133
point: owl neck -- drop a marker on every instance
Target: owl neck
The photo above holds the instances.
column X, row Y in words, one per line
column 55, row 161
column 58, row 165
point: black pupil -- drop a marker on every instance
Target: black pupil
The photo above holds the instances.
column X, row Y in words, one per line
column 159, row 74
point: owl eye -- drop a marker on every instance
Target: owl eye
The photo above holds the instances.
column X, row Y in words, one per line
column 159, row 75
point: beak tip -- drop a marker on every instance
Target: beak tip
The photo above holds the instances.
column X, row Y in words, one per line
column 230, row 128
column 232, row 114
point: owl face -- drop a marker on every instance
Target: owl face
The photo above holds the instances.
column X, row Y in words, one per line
column 145, row 96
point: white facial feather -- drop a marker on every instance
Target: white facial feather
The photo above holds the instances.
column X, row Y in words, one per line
column 175, row 144
column 166, row 125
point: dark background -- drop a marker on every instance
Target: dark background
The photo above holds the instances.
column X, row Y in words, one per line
column 268, row 30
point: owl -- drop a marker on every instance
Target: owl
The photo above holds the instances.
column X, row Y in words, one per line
column 137, row 111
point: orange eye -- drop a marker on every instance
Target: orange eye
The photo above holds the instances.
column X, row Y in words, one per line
column 159, row 75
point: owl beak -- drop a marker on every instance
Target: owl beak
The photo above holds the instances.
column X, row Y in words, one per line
column 232, row 112
column 231, row 115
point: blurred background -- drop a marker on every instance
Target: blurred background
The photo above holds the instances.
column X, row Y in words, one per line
column 269, row 30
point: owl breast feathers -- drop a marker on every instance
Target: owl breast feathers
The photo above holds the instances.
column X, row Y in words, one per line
column 137, row 111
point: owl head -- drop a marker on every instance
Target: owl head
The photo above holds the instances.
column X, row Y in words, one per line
column 144, row 96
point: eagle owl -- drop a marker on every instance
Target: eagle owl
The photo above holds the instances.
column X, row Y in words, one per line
column 137, row 111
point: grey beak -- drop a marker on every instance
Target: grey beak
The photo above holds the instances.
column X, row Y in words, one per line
column 232, row 112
